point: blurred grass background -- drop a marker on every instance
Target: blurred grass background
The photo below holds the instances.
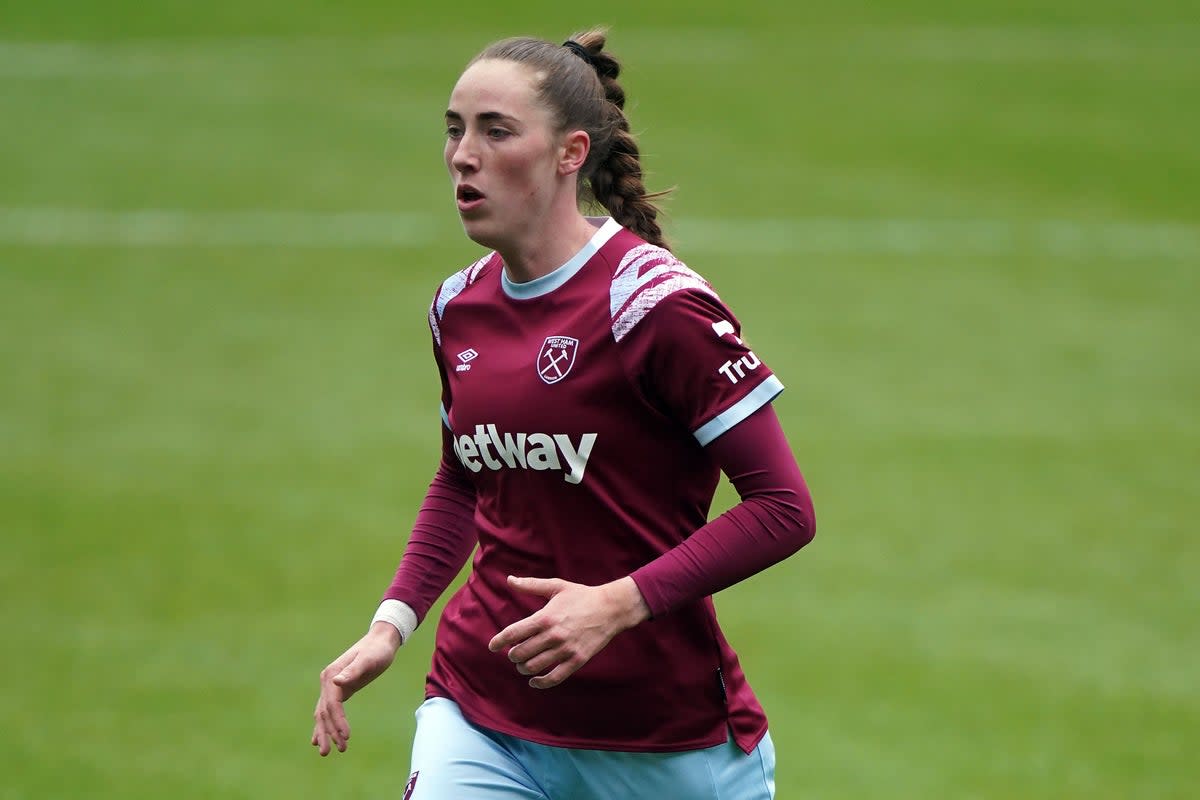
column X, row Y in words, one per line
column 967, row 236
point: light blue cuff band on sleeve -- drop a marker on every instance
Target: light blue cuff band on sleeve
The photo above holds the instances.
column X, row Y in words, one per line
column 762, row 394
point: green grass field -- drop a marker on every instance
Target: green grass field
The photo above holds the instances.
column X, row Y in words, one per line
column 967, row 237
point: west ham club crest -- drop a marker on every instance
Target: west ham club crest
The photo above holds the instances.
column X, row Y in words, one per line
column 557, row 358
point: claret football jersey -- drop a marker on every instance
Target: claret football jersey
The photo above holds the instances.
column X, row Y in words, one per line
column 579, row 405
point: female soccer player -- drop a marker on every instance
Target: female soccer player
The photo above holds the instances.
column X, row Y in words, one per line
column 593, row 387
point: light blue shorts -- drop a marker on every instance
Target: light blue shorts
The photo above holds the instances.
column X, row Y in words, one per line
column 455, row 760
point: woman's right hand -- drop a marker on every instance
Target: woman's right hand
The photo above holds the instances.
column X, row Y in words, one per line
column 365, row 661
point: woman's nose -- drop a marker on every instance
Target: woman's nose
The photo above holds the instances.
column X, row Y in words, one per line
column 465, row 157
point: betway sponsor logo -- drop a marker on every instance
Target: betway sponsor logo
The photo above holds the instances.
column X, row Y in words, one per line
column 489, row 448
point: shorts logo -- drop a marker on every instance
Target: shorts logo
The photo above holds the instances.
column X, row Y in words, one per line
column 412, row 784
column 557, row 358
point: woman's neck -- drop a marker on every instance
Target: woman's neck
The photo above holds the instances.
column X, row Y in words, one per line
column 547, row 248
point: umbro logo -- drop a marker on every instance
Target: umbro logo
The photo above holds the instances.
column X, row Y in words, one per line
column 466, row 357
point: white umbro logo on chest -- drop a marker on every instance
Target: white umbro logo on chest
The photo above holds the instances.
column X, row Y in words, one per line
column 466, row 357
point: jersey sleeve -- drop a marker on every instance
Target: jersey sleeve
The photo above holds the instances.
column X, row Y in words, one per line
column 436, row 309
column 774, row 519
column 449, row 289
column 443, row 534
column 687, row 355
column 442, row 538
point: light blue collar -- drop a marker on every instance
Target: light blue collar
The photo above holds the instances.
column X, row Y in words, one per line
column 537, row 287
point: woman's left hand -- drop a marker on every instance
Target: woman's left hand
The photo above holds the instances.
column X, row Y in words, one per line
column 576, row 623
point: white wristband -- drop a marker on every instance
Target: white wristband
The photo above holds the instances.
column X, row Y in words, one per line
column 398, row 613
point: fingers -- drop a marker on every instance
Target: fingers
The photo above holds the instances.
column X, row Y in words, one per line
column 554, row 642
column 539, row 663
column 339, row 665
column 533, row 645
column 557, row 675
column 544, row 654
column 533, row 624
column 545, row 587
column 331, row 728
column 321, row 740
column 518, row 632
column 349, row 674
column 537, row 654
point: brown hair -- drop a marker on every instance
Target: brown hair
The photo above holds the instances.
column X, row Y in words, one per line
column 584, row 95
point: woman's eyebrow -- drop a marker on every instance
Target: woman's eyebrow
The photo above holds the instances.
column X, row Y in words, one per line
column 484, row 116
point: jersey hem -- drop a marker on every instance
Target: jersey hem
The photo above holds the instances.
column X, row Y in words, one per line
column 718, row 738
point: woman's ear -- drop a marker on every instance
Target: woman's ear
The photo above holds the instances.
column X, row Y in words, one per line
column 575, row 148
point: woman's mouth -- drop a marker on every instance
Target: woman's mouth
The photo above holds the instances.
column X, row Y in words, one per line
column 469, row 198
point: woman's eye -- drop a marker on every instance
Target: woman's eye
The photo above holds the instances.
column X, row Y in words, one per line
column 453, row 131
column 498, row 133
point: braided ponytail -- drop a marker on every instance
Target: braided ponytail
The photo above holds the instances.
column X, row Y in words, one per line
column 581, row 89
column 615, row 177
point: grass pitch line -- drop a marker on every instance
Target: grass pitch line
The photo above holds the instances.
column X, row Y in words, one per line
column 142, row 57
column 1149, row 42
column 1122, row 239
column 179, row 228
